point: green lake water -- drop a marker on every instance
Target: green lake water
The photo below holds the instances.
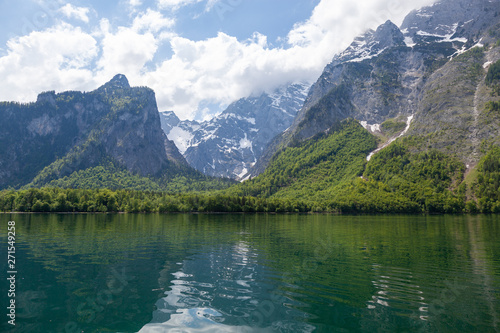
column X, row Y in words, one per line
column 253, row 273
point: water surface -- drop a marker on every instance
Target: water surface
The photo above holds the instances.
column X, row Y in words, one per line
column 255, row 273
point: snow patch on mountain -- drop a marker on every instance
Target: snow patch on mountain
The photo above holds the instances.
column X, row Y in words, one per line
column 181, row 138
column 371, row 44
column 447, row 37
column 245, row 143
column 409, row 41
column 408, row 124
column 372, row 128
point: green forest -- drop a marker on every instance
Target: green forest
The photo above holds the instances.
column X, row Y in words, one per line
column 128, row 201
column 328, row 173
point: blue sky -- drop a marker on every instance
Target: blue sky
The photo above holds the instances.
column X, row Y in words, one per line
column 198, row 55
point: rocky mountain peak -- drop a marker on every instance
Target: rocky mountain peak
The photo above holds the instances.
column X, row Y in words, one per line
column 169, row 118
column 371, row 44
column 74, row 131
column 47, row 97
column 388, row 35
column 119, row 81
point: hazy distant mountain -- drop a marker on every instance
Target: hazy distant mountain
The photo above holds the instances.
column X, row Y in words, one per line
column 230, row 144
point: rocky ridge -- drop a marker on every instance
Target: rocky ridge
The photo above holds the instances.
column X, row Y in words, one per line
column 431, row 69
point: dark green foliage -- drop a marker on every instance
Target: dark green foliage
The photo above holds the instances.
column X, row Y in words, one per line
column 327, row 173
column 476, row 54
column 472, row 61
column 487, row 188
column 369, row 196
column 492, row 106
column 493, row 75
column 111, row 176
column 427, row 179
column 75, row 140
column 92, row 201
column 396, row 180
column 493, row 78
column 192, row 181
column 106, row 176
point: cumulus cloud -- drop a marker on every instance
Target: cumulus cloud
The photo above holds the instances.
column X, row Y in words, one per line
column 223, row 69
column 152, row 21
column 176, row 4
column 56, row 58
column 79, row 13
column 339, row 21
column 125, row 51
column 129, row 49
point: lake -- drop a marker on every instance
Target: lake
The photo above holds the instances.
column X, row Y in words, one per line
column 254, row 273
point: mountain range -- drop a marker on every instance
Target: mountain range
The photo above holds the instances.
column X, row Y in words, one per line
column 428, row 95
column 432, row 69
column 108, row 137
column 406, row 119
column 230, row 144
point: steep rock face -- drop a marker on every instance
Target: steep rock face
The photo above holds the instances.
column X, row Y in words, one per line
column 450, row 20
column 62, row 133
column 230, row 144
column 453, row 115
column 388, row 73
column 365, row 47
column 133, row 135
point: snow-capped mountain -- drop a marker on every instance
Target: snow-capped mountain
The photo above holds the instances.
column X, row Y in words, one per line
column 230, row 144
column 371, row 44
column 431, row 69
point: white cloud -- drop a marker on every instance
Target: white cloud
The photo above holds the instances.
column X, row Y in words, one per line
column 223, row 69
column 79, row 13
column 152, row 21
column 340, row 21
column 126, row 51
column 175, row 4
column 212, row 3
column 135, row 3
column 53, row 59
